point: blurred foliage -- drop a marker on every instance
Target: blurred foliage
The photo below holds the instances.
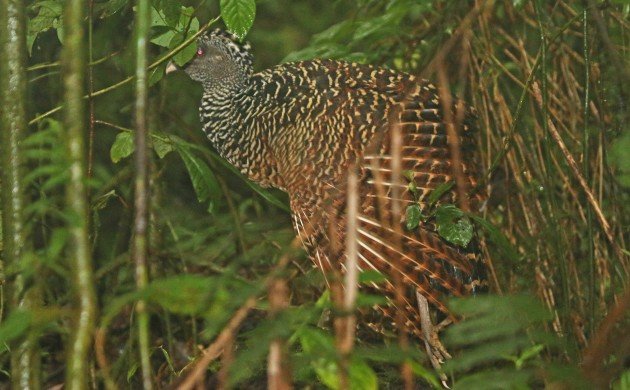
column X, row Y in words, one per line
column 215, row 236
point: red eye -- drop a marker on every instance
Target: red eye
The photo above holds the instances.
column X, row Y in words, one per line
column 199, row 52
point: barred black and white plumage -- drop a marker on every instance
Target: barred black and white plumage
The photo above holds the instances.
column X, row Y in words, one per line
column 299, row 126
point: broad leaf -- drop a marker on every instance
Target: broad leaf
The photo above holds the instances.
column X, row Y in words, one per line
column 186, row 24
column 14, row 326
column 453, row 225
column 161, row 147
column 203, row 180
column 440, row 190
column 123, row 146
column 413, row 216
column 619, row 158
column 183, row 294
column 238, row 15
column 49, row 15
column 187, row 53
column 170, row 9
column 498, row 238
column 109, row 8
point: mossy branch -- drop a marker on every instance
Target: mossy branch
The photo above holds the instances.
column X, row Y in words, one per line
column 80, row 253
column 141, row 198
column 24, row 357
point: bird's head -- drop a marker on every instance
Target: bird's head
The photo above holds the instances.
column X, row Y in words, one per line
column 220, row 61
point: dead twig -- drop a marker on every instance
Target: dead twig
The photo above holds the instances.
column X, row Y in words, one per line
column 580, row 178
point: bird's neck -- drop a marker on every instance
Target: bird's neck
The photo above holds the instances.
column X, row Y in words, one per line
column 229, row 116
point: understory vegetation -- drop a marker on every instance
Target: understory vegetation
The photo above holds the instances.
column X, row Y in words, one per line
column 191, row 276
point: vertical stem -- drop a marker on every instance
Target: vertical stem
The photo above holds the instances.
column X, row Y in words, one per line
column 586, row 166
column 90, row 90
column 24, row 361
column 73, row 66
column 278, row 376
column 351, row 277
column 551, row 205
column 140, row 243
column 352, row 254
column 396, row 153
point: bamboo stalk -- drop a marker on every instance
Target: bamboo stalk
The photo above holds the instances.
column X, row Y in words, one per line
column 24, row 354
column 141, row 198
column 73, row 67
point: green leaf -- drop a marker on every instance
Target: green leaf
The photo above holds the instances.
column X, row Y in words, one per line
column 170, row 9
column 203, row 180
column 186, row 24
column 162, row 147
column 361, row 375
column 440, row 190
column 15, row 325
column 156, row 74
column 413, row 188
column 528, row 354
column 186, row 54
column 496, row 379
column 123, row 146
column 132, row 370
column 378, row 26
column 238, row 15
column 48, row 16
column 508, row 314
column 108, row 8
column 453, row 225
column 619, row 158
column 183, row 294
column 425, row 374
column 498, row 238
column 321, row 347
column 168, row 359
column 409, row 174
column 368, row 301
column 21, row 321
column 413, row 216
column 316, row 340
column 371, row 276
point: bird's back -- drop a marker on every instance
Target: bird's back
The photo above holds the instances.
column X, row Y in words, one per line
column 318, row 117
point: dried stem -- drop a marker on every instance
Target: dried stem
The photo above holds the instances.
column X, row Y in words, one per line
column 604, row 340
column 278, row 376
column 396, row 151
column 223, row 377
column 580, row 178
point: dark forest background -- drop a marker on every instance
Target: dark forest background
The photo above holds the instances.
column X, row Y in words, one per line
column 91, row 299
